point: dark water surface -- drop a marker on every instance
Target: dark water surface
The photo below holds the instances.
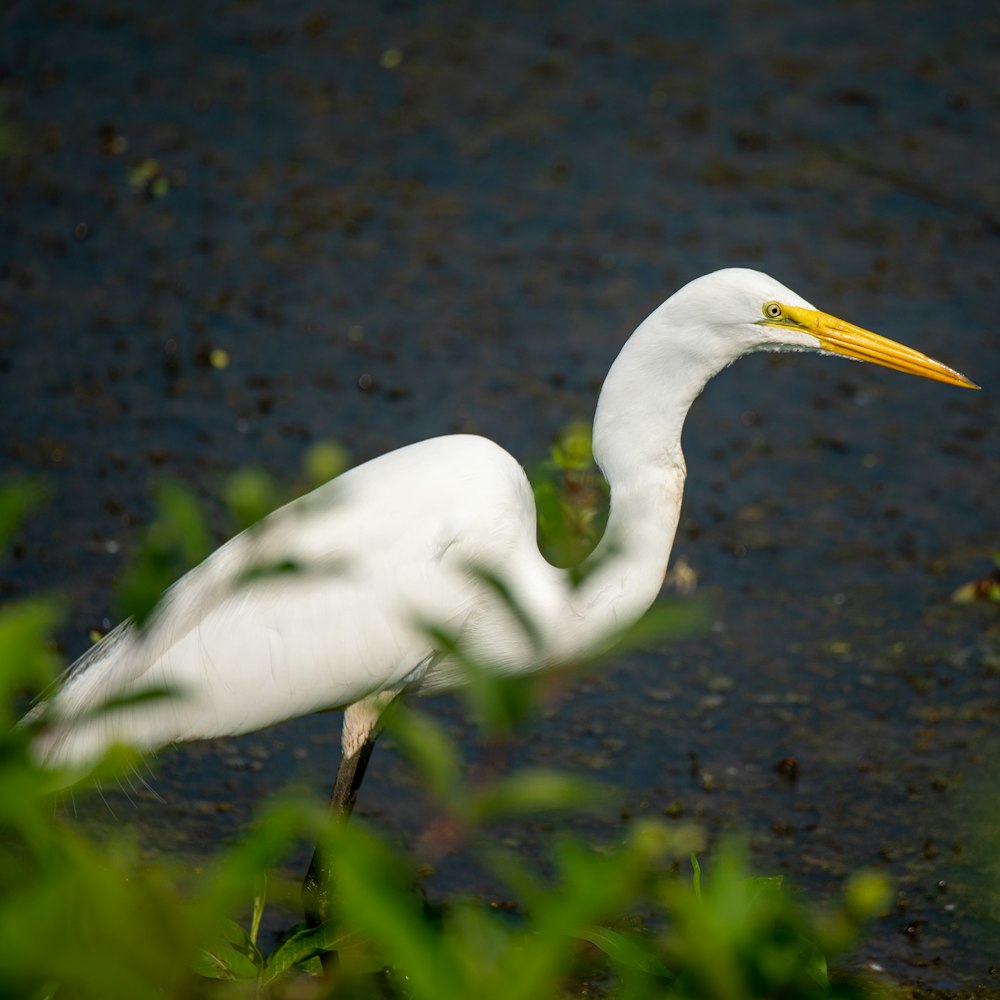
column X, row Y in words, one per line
column 410, row 219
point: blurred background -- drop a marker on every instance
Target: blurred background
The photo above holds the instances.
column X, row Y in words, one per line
column 230, row 230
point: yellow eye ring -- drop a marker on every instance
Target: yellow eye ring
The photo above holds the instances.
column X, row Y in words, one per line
column 773, row 310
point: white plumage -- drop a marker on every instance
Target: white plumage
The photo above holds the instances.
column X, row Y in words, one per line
column 401, row 542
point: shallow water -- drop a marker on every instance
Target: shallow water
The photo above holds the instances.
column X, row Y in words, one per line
column 460, row 238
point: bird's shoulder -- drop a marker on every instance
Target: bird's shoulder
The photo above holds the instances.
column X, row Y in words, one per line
column 432, row 495
column 441, row 490
column 435, row 476
column 445, row 460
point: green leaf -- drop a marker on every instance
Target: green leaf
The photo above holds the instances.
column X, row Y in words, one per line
column 28, row 659
column 815, row 964
column 283, row 821
column 763, row 885
column 425, row 742
column 867, row 894
column 495, row 700
column 518, row 611
column 572, row 448
column 626, row 950
column 17, row 499
column 134, row 698
column 533, row 791
column 304, row 944
column 259, row 900
column 324, row 461
column 250, row 495
column 233, row 956
column 175, row 541
column 665, row 620
column 374, row 894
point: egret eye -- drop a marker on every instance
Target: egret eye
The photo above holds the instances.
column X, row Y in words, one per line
column 772, row 310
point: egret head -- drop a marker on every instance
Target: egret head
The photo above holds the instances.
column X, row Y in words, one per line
column 701, row 329
column 743, row 311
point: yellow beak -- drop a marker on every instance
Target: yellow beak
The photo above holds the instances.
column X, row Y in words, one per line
column 843, row 338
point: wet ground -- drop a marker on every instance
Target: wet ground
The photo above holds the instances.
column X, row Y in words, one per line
column 410, row 219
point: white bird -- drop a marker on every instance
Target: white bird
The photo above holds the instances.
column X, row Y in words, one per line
column 412, row 538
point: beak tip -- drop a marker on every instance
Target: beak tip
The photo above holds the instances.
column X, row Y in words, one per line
column 966, row 383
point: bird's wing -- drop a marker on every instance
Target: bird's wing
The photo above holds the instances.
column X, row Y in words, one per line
column 320, row 605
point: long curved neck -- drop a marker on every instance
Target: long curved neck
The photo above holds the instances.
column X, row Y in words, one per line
column 637, row 444
column 623, row 575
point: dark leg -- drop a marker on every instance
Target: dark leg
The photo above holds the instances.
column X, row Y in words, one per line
column 361, row 729
column 318, row 884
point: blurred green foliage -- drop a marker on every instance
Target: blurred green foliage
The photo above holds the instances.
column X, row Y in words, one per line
column 178, row 539
column 571, row 497
column 986, row 588
column 82, row 919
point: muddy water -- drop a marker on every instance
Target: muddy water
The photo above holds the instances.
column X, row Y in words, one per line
column 410, row 221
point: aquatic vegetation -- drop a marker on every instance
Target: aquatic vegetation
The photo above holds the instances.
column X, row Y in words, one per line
column 84, row 918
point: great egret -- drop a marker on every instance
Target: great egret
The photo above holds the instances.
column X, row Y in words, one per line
column 412, row 537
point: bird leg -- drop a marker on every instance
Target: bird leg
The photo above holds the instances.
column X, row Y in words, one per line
column 361, row 729
column 318, row 884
